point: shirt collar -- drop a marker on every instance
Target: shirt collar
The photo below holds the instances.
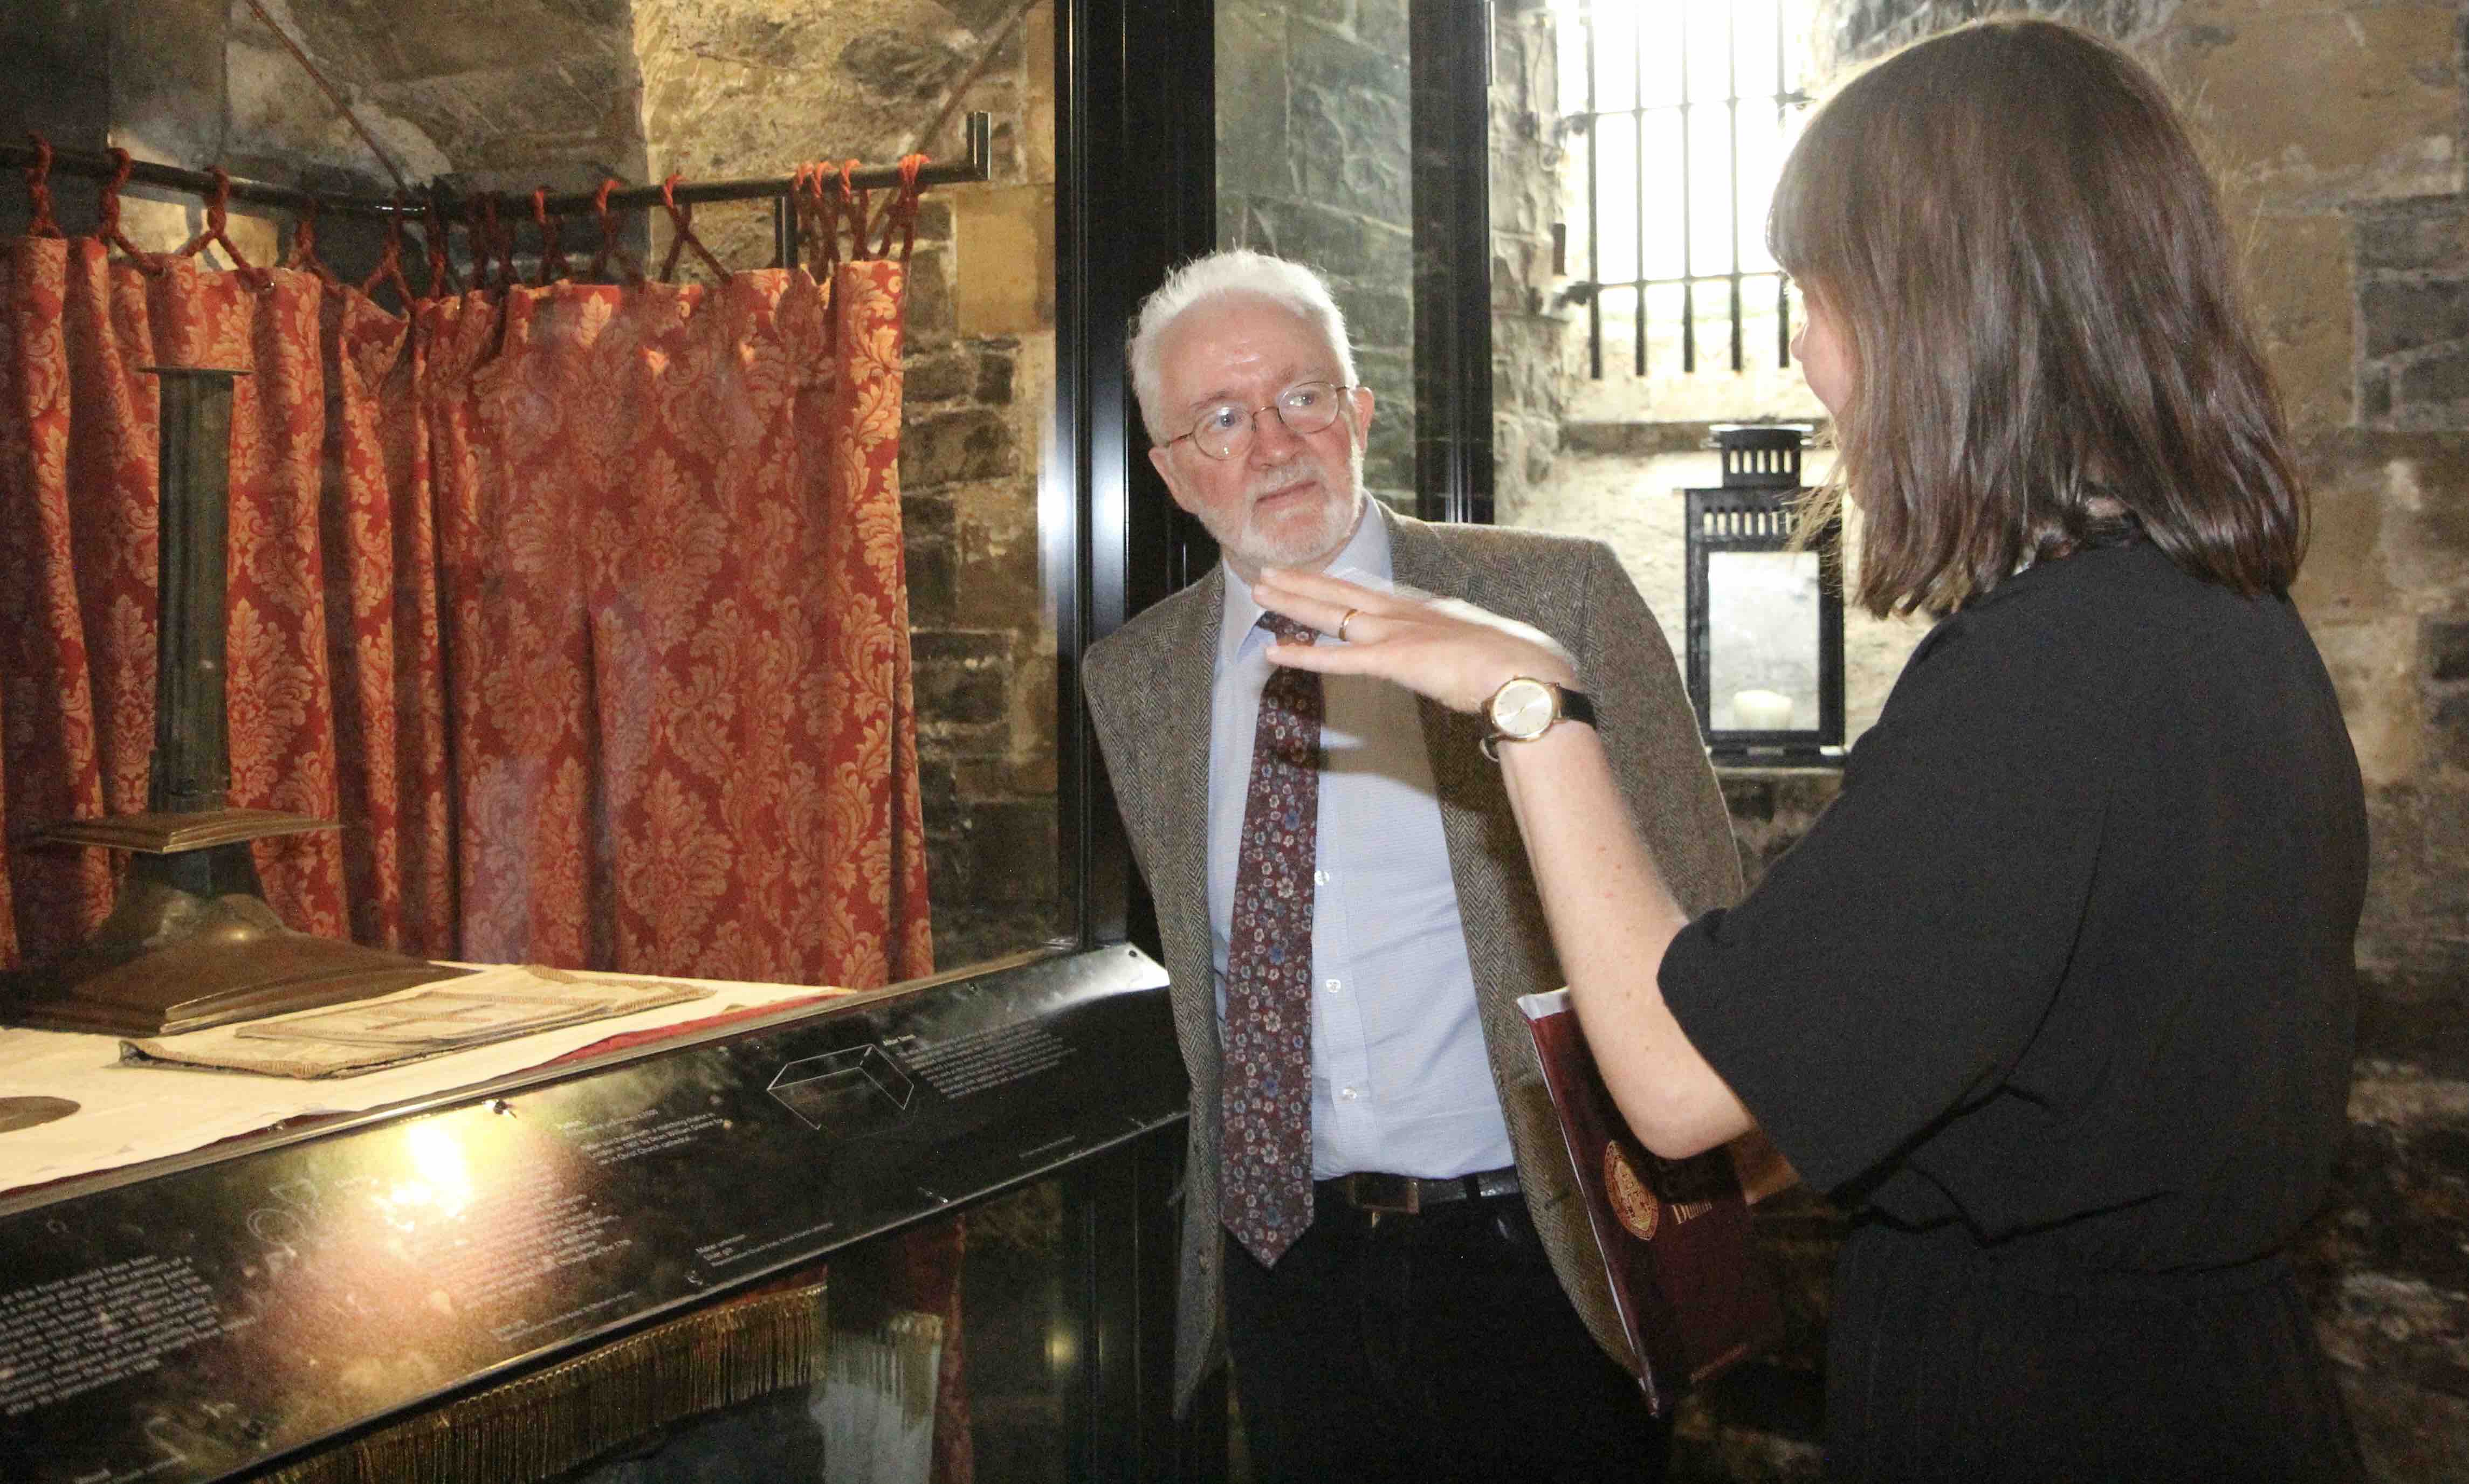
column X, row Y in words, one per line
column 1364, row 558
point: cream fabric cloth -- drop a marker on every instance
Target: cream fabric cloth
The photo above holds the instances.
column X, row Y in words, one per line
column 128, row 1114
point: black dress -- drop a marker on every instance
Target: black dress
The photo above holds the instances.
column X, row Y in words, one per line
column 2058, row 995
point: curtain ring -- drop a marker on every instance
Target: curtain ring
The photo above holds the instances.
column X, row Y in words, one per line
column 609, row 247
column 107, row 211
column 681, row 217
column 552, row 264
column 38, row 191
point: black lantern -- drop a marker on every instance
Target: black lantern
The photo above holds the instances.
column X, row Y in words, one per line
column 1765, row 617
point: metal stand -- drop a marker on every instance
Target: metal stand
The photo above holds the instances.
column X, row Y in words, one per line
column 191, row 941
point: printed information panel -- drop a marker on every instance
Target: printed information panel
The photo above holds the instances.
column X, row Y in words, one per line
column 208, row 1320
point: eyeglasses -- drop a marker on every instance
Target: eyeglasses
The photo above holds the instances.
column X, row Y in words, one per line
column 1225, row 429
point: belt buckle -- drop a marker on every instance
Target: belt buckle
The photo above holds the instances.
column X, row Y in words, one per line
column 1388, row 1194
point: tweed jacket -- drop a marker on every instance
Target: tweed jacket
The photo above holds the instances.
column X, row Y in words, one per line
column 1150, row 686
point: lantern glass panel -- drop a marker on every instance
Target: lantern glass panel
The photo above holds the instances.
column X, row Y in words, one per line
column 1762, row 618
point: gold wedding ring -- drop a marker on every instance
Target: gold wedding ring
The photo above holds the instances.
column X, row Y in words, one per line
column 1348, row 618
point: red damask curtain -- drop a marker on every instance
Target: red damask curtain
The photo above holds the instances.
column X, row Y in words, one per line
column 581, row 607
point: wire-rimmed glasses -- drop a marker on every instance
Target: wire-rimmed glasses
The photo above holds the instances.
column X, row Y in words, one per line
column 1224, row 429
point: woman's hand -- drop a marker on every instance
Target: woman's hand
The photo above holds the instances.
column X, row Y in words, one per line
column 1452, row 651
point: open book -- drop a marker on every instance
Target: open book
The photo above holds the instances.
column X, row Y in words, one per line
column 1674, row 1233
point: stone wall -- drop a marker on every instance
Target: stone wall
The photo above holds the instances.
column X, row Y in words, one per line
column 1314, row 163
column 1528, row 335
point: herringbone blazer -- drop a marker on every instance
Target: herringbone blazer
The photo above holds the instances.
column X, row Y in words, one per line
column 1148, row 687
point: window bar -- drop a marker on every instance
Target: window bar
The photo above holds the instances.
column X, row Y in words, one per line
column 1731, row 120
column 1594, row 207
column 1783, row 281
column 1688, row 227
column 1637, row 132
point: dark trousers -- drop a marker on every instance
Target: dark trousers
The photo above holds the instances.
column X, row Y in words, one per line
column 1435, row 1346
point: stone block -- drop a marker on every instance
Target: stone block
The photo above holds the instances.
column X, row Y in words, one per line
column 994, row 385
column 70, row 35
column 932, row 559
column 902, row 66
column 2407, row 314
column 439, row 38
column 2371, row 125
column 2374, row 396
column 1013, row 852
column 939, row 377
column 959, row 676
column 517, row 119
column 1378, row 316
column 1003, row 582
column 1351, row 124
column 1382, row 26
column 933, row 575
column 2432, row 391
column 1031, row 777
column 2371, row 662
column 1003, row 238
column 938, row 793
column 2448, row 719
column 2344, row 579
column 167, row 84
column 1252, row 137
column 2444, row 644
column 1242, row 223
column 2420, row 235
column 946, row 447
column 2300, row 289
column 930, row 309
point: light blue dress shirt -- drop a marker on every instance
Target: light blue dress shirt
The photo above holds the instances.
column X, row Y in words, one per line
column 1399, row 1078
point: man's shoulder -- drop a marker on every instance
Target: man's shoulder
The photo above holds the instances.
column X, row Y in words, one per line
column 1145, row 636
column 1548, row 558
column 1514, row 543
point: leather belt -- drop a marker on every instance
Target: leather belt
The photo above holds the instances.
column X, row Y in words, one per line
column 1406, row 1194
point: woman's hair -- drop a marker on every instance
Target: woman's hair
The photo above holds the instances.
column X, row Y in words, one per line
column 1237, row 272
column 2009, row 227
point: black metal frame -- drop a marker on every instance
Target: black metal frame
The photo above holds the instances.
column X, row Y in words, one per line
column 1450, row 49
column 1762, row 516
column 1593, row 288
column 1136, row 190
column 1136, row 193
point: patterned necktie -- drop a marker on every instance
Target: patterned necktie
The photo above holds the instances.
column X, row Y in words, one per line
column 1264, row 1166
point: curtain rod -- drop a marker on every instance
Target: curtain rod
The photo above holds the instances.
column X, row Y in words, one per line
column 978, row 130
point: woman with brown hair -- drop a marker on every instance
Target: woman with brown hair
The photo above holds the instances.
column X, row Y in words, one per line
column 2058, row 996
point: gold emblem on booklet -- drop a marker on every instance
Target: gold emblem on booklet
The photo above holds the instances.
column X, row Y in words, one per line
column 1633, row 1200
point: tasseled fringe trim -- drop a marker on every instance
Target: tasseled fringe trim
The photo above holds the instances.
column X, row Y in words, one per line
column 572, row 1413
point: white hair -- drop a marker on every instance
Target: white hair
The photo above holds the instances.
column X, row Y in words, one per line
column 1235, row 273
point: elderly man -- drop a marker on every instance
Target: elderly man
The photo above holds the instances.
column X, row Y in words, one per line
column 1380, row 1222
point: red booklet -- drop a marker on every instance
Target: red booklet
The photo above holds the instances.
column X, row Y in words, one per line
column 1674, row 1233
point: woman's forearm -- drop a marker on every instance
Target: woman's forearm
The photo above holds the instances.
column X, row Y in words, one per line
column 1610, row 912
column 1612, row 916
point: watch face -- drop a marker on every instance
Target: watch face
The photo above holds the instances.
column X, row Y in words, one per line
column 1522, row 709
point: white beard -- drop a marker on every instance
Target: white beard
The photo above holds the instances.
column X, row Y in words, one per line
column 1305, row 540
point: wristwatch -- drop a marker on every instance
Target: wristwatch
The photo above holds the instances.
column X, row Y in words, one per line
column 1525, row 708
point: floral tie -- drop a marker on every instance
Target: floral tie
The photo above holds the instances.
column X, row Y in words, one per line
column 1264, row 1164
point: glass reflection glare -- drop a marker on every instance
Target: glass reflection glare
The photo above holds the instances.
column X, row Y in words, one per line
column 443, row 1181
column 1762, row 618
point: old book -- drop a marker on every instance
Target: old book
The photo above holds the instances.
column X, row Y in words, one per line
column 1674, row 1233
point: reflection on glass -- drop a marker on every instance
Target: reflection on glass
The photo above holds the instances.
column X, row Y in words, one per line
column 1761, row 640
column 1019, row 1334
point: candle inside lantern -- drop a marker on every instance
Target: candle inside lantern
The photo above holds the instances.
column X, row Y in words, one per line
column 1760, row 711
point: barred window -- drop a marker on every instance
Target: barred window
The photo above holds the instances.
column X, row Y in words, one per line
column 1678, row 114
